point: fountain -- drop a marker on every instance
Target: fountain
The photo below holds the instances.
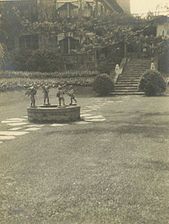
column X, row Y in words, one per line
column 52, row 113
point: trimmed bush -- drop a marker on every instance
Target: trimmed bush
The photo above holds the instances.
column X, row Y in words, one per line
column 103, row 84
column 152, row 83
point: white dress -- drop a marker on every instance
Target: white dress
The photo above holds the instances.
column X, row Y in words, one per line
column 153, row 66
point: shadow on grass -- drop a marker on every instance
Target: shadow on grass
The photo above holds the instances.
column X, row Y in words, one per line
column 155, row 165
column 147, row 132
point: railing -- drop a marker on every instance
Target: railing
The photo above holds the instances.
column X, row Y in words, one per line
column 122, row 66
column 155, row 60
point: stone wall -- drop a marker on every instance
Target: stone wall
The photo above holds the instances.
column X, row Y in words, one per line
column 53, row 114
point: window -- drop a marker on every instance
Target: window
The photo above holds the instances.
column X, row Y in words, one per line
column 29, row 42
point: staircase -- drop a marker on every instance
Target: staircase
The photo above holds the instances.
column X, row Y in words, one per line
column 128, row 81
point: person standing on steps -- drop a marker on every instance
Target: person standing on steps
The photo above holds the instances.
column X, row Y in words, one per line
column 117, row 72
column 153, row 67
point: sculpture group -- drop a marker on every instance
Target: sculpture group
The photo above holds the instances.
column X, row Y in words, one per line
column 60, row 94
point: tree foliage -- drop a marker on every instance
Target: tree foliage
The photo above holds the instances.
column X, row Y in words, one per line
column 152, row 83
column 37, row 60
column 103, row 85
column 105, row 35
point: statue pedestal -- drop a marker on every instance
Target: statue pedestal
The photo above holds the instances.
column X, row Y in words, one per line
column 53, row 114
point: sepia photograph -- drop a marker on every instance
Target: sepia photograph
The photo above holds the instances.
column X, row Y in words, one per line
column 84, row 111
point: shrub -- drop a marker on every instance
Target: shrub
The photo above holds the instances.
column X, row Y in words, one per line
column 37, row 61
column 103, row 84
column 105, row 67
column 43, row 61
column 152, row 83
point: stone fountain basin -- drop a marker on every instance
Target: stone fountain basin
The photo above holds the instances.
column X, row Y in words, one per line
column 53, row 114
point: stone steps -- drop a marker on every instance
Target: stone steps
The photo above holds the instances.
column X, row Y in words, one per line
column 130, row 77
column 126, row 85
column 128, row 82
column 134, row 72
column 127, row 89
column 140, row 66
column 126, row 93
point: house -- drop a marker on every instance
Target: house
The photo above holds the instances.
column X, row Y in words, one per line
column 28, row 41
column 88, row 8
column 162, row 26
column 64, row 39
column 48, row 9
column 68, row 44
column 163, row 30
column 67, row 10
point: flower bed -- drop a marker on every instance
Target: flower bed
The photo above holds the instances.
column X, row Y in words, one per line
column 21, row 83
column 14, row 80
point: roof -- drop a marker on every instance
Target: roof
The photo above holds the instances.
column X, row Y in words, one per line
column 113, row 5
column 64, row 6
column 161, row 20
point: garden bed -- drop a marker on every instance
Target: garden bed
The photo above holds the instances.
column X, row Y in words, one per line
column 18, row 81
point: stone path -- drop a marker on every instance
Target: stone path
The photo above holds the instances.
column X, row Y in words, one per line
column 20, row 126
